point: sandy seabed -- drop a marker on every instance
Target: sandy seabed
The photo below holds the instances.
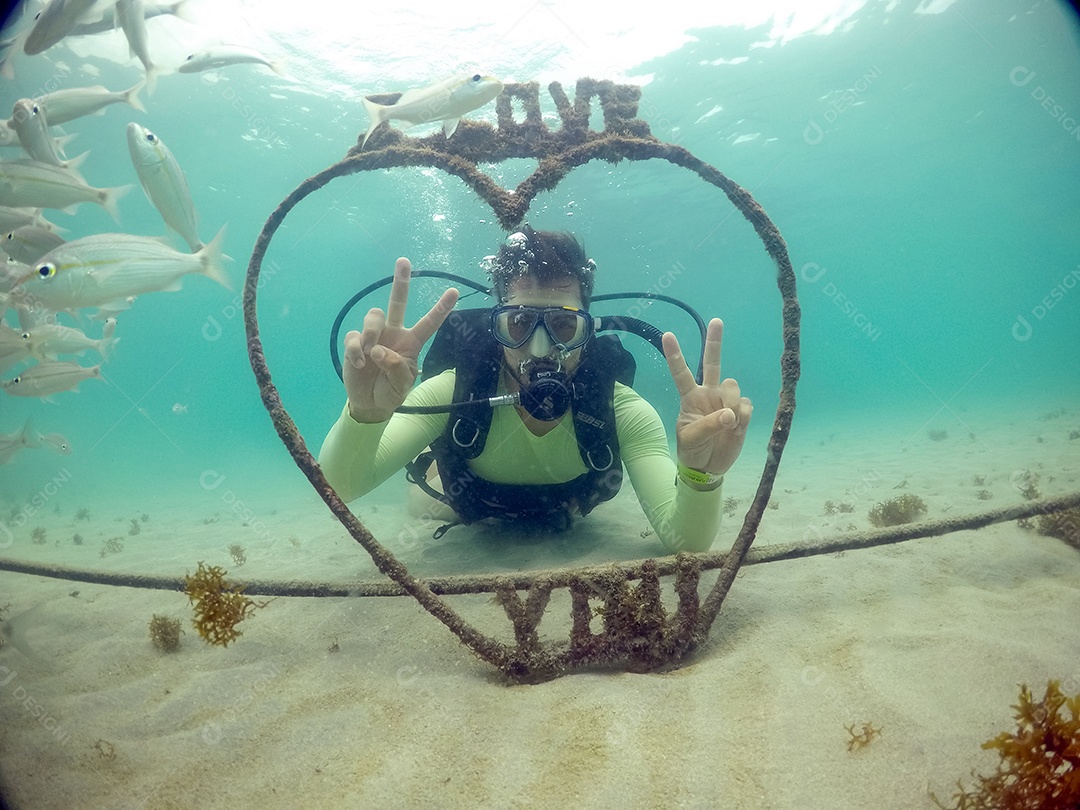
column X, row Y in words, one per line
column 370, row 702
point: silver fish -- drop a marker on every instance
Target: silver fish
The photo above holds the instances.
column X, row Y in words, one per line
column 98, row 270
column 13, row 348
column 28, row 121
column 164, row 183
column 445, row 101
column 55, row 22
column 108, row 21
column 49, row 378
column 47, row 340
column 27, row 437
column 32, row 184
column 29, row 243
column 56, row 442
column 131, row 16
column 12, row 218
column 221, row 56
column 62, row 106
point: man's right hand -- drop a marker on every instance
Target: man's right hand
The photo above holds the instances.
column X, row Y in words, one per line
column 381, row 362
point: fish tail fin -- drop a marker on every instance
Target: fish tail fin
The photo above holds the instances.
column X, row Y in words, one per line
column 377, row 114
column 110, row 197
column 152, row 72
column 74, row 163
column 27, row 438
column 212, row 257
column 62, row 142
column 131, row 95
column 107, row 347
column 41, row 222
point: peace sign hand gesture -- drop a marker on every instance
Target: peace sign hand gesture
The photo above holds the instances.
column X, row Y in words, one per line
column 713, row 416
column 381, row 362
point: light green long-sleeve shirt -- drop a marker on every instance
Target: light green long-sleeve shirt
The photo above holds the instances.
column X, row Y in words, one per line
column 357, row 457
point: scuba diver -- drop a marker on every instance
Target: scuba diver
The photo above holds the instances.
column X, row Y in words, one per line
column 575, row 421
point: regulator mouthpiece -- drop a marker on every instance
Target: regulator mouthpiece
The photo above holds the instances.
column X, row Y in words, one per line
column 546, row 395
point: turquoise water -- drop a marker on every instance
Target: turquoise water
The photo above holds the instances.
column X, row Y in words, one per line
column 921, row 160
column 921, row 164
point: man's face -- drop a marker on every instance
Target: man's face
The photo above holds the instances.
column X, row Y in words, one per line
column 525, row 291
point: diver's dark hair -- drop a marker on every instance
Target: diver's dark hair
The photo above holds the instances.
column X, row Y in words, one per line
column 543, row 255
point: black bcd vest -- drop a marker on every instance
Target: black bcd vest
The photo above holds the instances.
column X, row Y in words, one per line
column 464, row 343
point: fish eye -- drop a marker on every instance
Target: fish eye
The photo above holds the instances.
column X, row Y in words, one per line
column 47, row 270
column 476, row 78
column 151, row 137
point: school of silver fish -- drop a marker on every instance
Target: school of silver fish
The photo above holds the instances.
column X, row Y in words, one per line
column 45, row 277
column 95, row 277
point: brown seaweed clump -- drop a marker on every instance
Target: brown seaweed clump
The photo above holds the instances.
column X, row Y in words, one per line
column 165, row 633
column 904, row 509
column 219, row 607
column 1040, row 761
column 862, row 738
column 1062, row 525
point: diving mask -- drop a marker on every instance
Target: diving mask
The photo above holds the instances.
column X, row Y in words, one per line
column 567, row 327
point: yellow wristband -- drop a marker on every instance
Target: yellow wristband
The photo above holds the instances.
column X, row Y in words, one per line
column 699, row 477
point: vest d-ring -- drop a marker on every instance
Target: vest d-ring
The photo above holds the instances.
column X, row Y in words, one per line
column 472, row 441
column 593, row 465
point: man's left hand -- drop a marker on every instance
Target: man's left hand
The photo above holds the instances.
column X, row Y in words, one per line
column 713, row 416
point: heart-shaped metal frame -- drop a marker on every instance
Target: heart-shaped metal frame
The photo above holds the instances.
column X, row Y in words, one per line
column 638, row 632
